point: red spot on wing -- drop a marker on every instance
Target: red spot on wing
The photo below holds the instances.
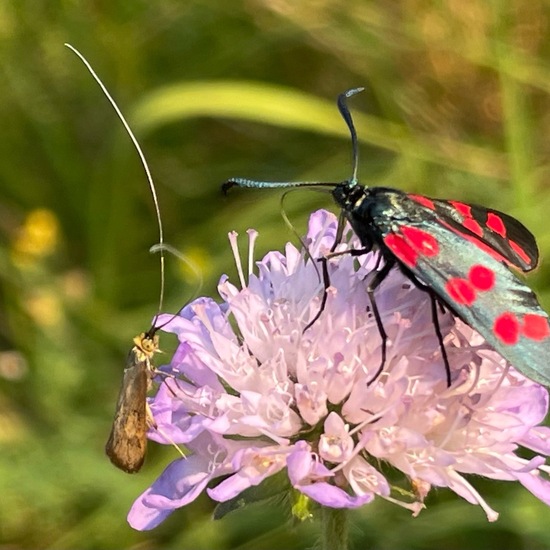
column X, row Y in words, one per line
column 495, row 223
column 424, row 201
column 421, row 241
column 464, row 209
column 461, row 291
column 473, row 226
column 520, row 252
column 402, row 250
column 481, row 277
column 506, row 328
column 535, row 326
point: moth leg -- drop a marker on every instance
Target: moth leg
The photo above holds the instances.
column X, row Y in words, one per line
column 435, row 319
column 149, row 418
column 443, row 307
column 151, row 423
column 326, row 284
column 324, row 269
column 372, row 286
column 351, row 252
column 326, row 276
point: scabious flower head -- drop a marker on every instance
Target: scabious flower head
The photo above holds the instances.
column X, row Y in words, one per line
column 252, row 394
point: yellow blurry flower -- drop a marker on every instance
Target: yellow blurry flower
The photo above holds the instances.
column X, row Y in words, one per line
column 38, row 236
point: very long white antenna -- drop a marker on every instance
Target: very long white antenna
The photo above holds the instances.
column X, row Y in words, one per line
column 143, row 162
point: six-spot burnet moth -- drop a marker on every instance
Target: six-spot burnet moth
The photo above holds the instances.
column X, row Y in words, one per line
column 461, row 254
column 127, row 443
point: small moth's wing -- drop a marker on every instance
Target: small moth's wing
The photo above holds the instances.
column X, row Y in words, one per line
column 127, row 443
column 480, row 288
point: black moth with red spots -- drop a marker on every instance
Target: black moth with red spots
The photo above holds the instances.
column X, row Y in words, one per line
column 467, row 270
column 461, row 254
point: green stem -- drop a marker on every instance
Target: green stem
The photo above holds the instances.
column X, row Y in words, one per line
column 334, row 529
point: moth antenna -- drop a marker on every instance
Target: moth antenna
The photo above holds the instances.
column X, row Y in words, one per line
column 145, row 167
column 346, row 115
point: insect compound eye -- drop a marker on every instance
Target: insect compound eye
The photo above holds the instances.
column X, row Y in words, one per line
column 340, row 195
column 346, row 195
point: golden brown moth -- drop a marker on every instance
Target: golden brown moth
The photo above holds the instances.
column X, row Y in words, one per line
column 127, row 443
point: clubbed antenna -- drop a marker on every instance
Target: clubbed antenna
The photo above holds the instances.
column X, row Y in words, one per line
column 346, row 115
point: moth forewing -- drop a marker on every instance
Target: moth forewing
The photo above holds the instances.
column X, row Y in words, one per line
column 127, row 443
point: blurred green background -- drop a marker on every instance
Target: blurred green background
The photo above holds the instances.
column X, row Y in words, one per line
column 456, row 106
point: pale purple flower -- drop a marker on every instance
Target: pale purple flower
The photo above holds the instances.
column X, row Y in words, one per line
column 251, row 394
